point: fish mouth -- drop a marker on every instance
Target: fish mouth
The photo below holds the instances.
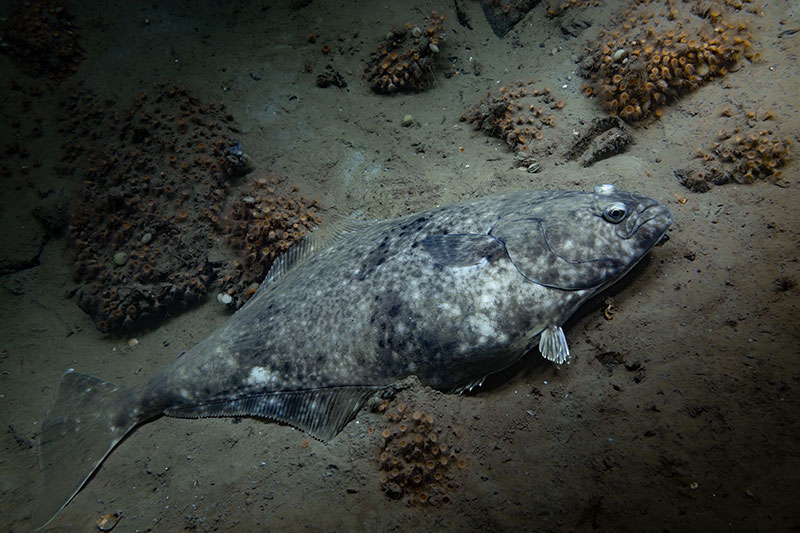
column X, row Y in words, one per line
column 649, row 225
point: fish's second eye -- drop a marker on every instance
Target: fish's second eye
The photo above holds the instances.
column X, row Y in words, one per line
column 615, row 213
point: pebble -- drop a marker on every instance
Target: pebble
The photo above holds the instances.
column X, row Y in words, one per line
column 408, row 120
column 120, row 258
column 146, row 238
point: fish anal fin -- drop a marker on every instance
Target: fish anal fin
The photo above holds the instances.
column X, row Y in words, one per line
column 320, row 412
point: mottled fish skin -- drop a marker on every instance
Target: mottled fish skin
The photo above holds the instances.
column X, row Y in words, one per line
column 450, row 295
column 375, row 307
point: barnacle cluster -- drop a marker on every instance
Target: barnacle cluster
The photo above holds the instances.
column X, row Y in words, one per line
column 749, row 149
column 42, row 37
column 155, row 176
column 265, row 218
column 516, row 113
column 405, row 60
column 656, row 54
column 416, row 461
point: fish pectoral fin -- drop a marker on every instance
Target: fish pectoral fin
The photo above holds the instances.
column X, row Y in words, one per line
column 320, row 412
column 553, row 345
column 462, row 249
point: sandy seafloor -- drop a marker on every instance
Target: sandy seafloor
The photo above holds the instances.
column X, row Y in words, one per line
column 694, row 429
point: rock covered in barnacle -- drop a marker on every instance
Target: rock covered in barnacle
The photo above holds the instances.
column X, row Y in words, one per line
column 404, row 61
column 657, row 52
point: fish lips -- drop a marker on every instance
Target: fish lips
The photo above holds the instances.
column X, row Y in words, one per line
column 648, row 225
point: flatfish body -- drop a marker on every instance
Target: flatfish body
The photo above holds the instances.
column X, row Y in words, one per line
column 450, row 295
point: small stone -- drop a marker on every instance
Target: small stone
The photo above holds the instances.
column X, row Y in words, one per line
column 224, row 298
column 619, row 54
column 120, row 258
column 146, row 238
column 408, row 120
column 434, row 48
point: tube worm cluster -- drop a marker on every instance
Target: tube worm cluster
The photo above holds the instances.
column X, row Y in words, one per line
column 749, row 148
column 42, row 37
column 416, row 462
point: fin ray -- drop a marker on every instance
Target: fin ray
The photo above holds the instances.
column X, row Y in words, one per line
column 553, row 345
column 76, row 437
column 320, row 412
column 316, row 241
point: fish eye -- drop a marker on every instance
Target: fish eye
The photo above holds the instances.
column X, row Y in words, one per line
column 615, row 213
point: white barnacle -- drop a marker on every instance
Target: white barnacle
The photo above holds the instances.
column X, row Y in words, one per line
column 260, row 375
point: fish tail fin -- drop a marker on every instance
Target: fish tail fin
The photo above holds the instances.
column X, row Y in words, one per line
column 79, row 431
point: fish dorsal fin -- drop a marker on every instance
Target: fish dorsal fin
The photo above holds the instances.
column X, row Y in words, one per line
column 320, row 412
column 343, row 229
column 462, row 249
column 317, row 240
column 293, row 256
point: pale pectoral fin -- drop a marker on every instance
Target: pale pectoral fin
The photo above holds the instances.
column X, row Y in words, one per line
column 553, row 345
